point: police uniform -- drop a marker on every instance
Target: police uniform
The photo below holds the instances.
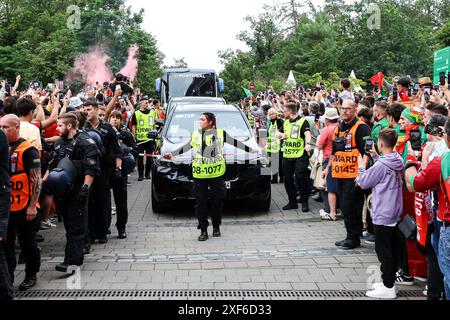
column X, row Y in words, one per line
column 6, row 291
column 144, row 122
column 23, row 158
column 100, row 197
column 84, row 154
column 119, row 186
column 208, row 170
column 296, row 161
column 348, row 145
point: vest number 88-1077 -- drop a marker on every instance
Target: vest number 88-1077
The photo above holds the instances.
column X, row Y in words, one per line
column 208, row 170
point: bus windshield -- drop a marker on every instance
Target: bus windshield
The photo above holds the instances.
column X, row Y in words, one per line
column 192, row 85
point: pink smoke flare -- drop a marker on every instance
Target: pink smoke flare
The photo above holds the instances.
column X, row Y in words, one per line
column 131, row 67
column 93, row 66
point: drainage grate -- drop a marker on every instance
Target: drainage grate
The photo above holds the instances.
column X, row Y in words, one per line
column 247, row 295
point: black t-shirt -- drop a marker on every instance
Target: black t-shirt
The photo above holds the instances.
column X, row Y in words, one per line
column 305, row 127
column 126, row 89
column 134, row 120
column 4, row 163
column 31, row 158
column 109, row 142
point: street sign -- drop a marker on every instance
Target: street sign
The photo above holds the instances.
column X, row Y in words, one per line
column 251, row 86
column 441, row 63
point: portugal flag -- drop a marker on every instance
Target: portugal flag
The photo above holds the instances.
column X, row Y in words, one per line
column 378, row 78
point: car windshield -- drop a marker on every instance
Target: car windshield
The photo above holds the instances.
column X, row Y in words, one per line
column 183, row 124
column 192, row 85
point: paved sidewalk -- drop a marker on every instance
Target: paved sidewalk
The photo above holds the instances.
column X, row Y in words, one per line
column 258, row 251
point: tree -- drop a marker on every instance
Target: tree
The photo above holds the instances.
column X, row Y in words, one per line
column 36, row 42
column 178, row 63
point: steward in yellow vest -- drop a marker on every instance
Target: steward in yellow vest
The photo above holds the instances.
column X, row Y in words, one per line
column 208, row 170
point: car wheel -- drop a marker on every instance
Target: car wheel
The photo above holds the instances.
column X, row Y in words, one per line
column 157, row 206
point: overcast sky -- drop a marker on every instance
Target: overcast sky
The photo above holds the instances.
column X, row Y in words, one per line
column 197, row 29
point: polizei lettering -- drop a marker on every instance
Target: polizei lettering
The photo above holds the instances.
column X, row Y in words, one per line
column 346, row 159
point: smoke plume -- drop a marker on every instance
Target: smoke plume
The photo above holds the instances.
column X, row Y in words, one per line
column 92, row 66
column 131, row 66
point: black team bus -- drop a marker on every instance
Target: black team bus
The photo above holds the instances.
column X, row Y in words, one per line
column 178, row 83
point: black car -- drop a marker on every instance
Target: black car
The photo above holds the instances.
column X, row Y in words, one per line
column 245, row 177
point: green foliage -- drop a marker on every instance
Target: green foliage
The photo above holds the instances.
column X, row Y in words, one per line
column 325, row 44
column 36, row 42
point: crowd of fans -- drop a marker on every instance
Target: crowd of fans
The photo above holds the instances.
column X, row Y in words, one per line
column 377, row 161
column 377, row 164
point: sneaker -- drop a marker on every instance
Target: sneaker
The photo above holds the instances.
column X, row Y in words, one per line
column 323, row 213
column 47, row 224
column 381, row 292
column 404, row 280
column 53, row 220
column 370, row 239
column 365, row 234
column 381, row 284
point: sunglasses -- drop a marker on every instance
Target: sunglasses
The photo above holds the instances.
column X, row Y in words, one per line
column 434, row 131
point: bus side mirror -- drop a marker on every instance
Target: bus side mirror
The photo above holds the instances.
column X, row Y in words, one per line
column 221, row 85
column 158, row 85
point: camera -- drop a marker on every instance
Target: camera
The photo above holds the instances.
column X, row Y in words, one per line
column 415, row 140
column 410, row 90
column 427, row 93
column 416, row 89
column 369, row 145
column 395, row 94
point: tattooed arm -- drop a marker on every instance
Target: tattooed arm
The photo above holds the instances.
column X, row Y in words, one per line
column 36, row 182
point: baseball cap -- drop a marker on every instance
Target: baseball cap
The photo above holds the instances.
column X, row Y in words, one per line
column 75, row 102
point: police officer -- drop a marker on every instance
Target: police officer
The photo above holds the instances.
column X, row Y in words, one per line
column 143, row 122
column 110, row 164
column 297, row 146
column 208, row 168
column 78, row 153
column 25, row 185
column 6, row 292
column 119, row 186
column 349, row 143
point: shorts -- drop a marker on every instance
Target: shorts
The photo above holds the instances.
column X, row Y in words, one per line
column 332, row 183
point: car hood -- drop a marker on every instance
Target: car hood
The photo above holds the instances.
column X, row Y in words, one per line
column 232, row 154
